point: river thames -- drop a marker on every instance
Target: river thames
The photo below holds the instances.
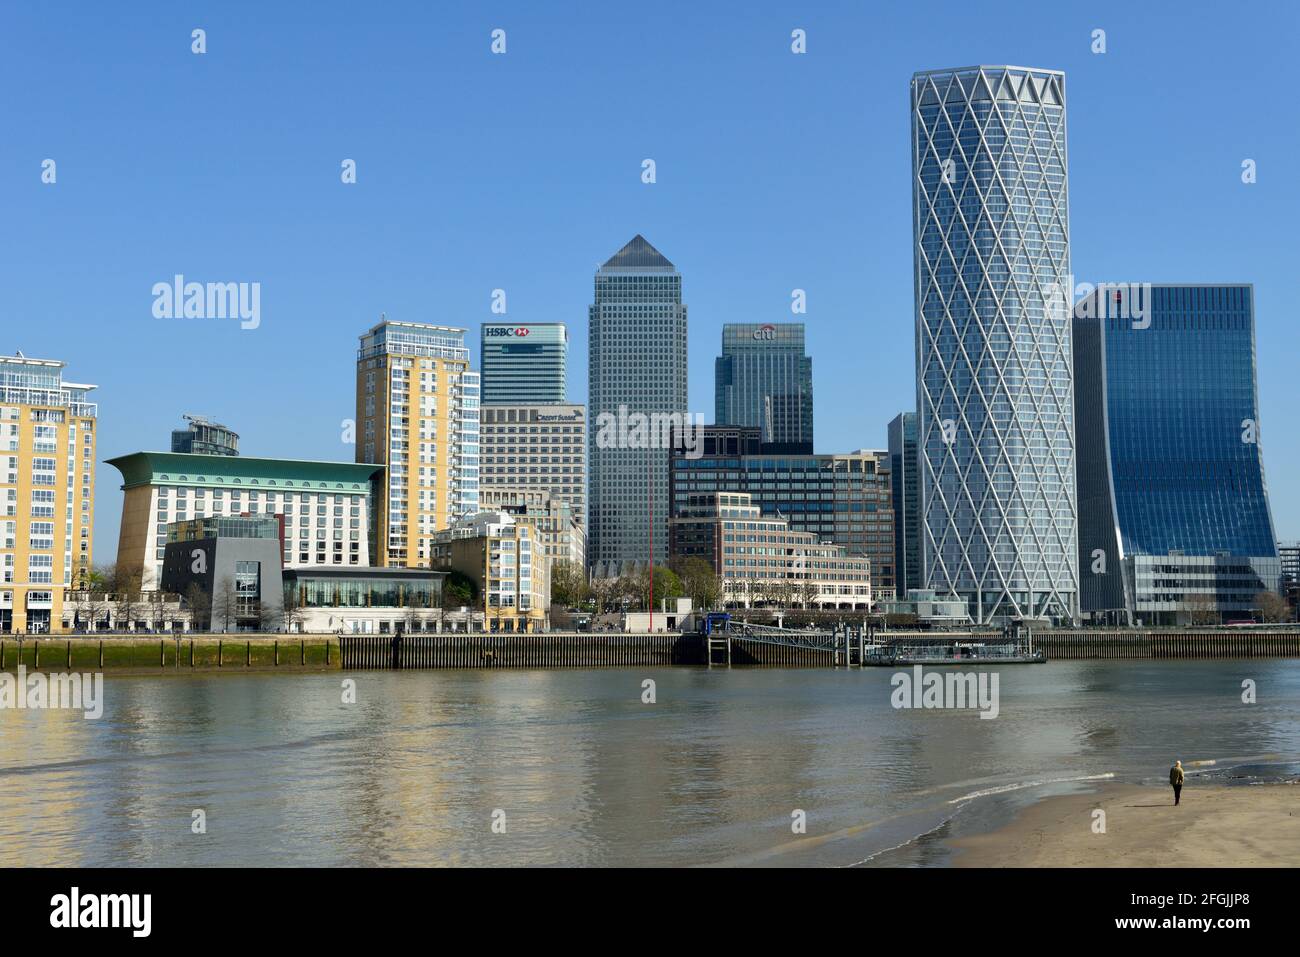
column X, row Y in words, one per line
column 573, row 768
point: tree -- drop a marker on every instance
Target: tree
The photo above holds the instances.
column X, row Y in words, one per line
column 568, row 583
column 666, row 586
column 1272, row 607
column 199, row 603
column 225, row 604
column 127, row 587
column 808, row 593
column 291, row 612
column 458, row 590
column 699, row 581
column 1204, row 610
column 781, row 592
column 602, row 591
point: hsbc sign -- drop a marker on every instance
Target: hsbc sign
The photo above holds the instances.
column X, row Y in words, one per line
column 496, row 332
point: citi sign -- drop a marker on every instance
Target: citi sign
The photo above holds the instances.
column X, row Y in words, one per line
column 494, row 332
column 765, row 331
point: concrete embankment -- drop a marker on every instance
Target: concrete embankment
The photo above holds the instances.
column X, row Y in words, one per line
column 163, row 654
column 560, row 650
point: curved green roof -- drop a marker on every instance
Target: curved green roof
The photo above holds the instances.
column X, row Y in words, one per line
column 225, row 471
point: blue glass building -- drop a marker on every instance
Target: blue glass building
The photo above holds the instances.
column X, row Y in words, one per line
column 907, row 542
column 524, row 363
column 1175, row 526
column 763, row 378
column 995, row 403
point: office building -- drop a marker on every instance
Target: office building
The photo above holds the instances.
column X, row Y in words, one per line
column 524, row 363
column 761, row 560
column 371, row 601
column 324, row 507
column 636, row 367
column 495, row 551
column 844, row 499
column 1175, row 526
column 234, row 564
column 537, row 447
column 205, row 437
column 995, row 427
column 907, row 512
column 47, row 491
column 560, row 532
column 1288, row 554
column 763, row 378
column 418, row 416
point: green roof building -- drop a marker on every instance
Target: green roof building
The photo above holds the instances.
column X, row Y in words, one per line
column 324, row 507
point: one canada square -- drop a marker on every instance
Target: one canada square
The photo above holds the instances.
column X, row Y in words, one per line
column 636, row 369
column 995, row 405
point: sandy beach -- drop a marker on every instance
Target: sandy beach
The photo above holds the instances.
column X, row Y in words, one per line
column 1214, row 826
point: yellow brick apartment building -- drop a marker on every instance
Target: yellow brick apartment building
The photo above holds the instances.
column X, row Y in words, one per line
column 418, row 416
column 47, row 492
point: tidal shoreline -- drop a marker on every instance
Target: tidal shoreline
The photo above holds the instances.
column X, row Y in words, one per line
column 1214, row 826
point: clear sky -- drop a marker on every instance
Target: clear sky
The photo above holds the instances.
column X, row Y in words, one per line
column 522, row 172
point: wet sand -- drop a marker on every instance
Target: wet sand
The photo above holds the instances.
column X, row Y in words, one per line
column 1215, row 826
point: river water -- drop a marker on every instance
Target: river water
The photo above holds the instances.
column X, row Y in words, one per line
column 574, row 768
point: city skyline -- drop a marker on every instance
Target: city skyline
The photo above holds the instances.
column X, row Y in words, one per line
column 1132, row 216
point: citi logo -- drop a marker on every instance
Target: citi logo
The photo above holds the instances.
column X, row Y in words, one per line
column 766, row 331
column 74, row 910
column 494, row 332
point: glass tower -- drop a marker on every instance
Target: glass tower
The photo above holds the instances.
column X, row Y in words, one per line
column 1174, row 513
column 636, row 367
column 907, row 540
column 524, row 363
column 763, row 378
column 995, row 426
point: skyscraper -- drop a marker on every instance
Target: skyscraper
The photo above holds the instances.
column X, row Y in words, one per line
column 418, row 415
column 1175, row 526
column 907, row 539
column 995, row 424
column 524, row 363
column 47, row 491
column 637, row 367
column 763, row 378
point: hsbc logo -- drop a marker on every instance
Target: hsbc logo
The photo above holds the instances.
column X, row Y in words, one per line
column 766, row 331
column 496, row 332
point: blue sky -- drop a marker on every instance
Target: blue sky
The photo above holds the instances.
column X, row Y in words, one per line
column 522, row 172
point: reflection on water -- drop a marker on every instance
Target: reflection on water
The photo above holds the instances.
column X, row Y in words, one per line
column 585, row 773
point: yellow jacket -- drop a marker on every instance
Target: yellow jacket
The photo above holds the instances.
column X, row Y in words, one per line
column 1175, row 775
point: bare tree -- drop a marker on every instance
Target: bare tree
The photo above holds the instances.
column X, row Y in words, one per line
column 291, row 612
column 1272, row 607
column 127, row 586
column 199, row 603
column 1204, row 610
column 225, row 604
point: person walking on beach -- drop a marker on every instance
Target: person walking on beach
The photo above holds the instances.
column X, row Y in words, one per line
column 1176, row 779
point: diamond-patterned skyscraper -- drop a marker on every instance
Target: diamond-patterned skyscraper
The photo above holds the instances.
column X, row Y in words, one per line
column 995, row 406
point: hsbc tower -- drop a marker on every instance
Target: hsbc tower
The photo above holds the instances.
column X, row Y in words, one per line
column 523, row 363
